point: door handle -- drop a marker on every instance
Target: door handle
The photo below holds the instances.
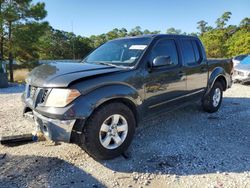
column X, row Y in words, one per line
column 203, row 69
column 181, row 74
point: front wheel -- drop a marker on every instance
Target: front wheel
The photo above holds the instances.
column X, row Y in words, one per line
column 109, row 131
column 212, row 102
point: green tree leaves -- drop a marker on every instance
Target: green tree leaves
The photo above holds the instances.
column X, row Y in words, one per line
column 202, row 26
column 226, row 41
column 222, row 21
column 238, row 43
column 173, row 31
column 14, row 15
column 214, row 42
column 26, row 39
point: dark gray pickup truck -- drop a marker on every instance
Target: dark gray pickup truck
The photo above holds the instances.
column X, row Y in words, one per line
column 99, row 103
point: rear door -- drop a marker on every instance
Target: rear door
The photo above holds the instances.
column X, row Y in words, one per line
column 195, row 65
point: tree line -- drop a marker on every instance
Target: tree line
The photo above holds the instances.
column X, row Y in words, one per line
column 25, row 37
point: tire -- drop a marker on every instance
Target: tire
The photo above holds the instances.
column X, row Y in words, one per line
column 94, row 141
column 212, row 102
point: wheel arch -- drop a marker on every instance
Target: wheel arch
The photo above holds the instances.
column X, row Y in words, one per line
column 88, row 103
column 218, row 74
column 222, row 80
column 126, row 101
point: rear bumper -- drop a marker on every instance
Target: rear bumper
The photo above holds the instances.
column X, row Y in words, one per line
column 54, row 129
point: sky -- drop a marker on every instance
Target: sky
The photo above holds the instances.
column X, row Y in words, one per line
column 93, row 17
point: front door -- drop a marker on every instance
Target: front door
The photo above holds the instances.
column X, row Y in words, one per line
column 164, row 85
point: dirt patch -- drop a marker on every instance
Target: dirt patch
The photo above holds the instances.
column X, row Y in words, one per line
column 184, row 148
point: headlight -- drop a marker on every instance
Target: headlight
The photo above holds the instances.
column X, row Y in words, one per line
column 61, row 97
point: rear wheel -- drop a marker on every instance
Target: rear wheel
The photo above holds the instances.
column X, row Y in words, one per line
column 109, row 131
column 212, row 102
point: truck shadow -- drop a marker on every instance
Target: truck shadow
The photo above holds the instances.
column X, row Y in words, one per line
column 36, row 171
column 189, row 142
column 12, row 89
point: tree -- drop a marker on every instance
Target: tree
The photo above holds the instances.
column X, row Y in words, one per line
column 245, row 23
column 56, row 44
column 202, row 26
column 173, row 31
column 238, row 43
column 194, row 34
column 214, row 42
column 98, row 40
column 147, row 32
column 26, row 39
column 123, row 32
column 19, row 11
column 136, row 31
column 222, row 21
column 1, row 32
column 113, row 34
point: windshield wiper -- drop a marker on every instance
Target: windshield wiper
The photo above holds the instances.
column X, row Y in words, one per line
column 113, row 65
column 105, row 63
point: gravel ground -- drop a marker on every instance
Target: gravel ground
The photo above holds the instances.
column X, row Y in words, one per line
column 11, row 112
column 184, row 148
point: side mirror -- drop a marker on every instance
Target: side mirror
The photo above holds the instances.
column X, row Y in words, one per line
column 162, row 61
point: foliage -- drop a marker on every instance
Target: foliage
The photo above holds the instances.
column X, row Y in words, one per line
column 202, row 26
column 222, row 21
column 227, row 41
column 238, row 43
column 214, row 42
column 173, row 31
column 56, row 44
column 14, row 15
column 26, row 38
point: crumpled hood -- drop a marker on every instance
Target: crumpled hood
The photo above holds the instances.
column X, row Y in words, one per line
column 62, row 74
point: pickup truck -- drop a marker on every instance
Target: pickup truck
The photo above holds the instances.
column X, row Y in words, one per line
column 99, row 103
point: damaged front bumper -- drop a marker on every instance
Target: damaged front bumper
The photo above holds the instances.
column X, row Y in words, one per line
column 241, row 76
column 241, row 79
column 53, row 129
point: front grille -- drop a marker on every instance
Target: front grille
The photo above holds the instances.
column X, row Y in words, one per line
column 44, row 95
column 32, row 92
column 240, row 73
column 37, row 95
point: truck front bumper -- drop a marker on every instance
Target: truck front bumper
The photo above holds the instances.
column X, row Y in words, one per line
column 241, row 76
column 54, row 129
column 241, row 79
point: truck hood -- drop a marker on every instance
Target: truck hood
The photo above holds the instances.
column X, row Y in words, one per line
column 244, row 67
column 62, row 74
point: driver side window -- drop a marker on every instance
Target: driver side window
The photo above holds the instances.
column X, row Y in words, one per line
column 165, row 47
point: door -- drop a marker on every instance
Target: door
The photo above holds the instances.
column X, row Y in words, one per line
column 165, row 84
column 195, row 66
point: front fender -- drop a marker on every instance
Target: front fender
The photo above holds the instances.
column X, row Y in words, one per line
column 87, row 103
column 217, row 72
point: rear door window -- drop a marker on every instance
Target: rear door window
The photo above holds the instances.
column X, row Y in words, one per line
column 196, row 52
column 191, row 52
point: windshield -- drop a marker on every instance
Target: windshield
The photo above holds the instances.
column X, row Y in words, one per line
column 246, row 60
column 240, row 57
column 121, row 52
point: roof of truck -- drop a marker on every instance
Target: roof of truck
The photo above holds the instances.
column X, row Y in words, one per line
column 158, row 35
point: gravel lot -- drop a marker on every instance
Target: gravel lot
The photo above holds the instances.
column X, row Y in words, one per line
column 184, row 148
